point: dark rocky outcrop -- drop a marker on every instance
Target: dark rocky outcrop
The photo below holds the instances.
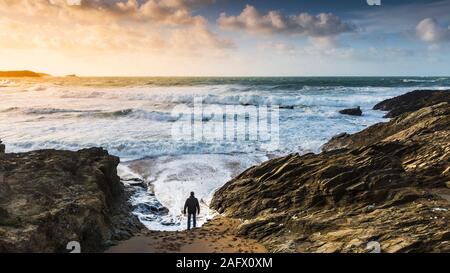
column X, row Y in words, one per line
column 412, row 101
column 49, row 198
column 388, row 183
column 352, row 111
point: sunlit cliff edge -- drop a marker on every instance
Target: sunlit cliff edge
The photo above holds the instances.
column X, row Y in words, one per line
column 22, row 73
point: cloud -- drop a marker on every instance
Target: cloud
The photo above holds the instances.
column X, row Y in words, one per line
column 274, row 22
column 399, row 18
column 115, row 25
column 387, row 54
column 429, row 30
column 316, row 51
column 170, row 12
column 279, row 48
column 323, row 43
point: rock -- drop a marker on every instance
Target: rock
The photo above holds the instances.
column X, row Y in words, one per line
column 55, row 197
column 135, row 182
column 289, row 107
column 378, row 186
column 337, row 142
column 151, row 208
column 412, row 101
column 22, row 73
column 352, row 111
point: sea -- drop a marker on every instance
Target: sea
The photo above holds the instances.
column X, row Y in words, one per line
column 139, row 120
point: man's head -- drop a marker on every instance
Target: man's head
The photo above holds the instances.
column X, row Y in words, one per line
column 192, row 194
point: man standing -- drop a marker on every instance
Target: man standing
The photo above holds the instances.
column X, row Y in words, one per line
column 193, row 208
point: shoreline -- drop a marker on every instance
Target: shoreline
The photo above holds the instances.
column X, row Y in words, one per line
column 382, row 183
column 215, row 236
column 388, row 183
column 408, row 209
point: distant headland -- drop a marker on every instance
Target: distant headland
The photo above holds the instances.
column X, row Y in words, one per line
column 22, row 73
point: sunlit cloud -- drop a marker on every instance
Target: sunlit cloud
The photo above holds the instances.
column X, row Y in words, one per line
column 166, row 25
column 429, row 30
column 274, row 22
column 204, row 37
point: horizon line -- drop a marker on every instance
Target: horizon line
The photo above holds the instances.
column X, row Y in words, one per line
column 243, row 76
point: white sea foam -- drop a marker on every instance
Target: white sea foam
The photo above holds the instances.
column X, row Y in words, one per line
column 7, row 83
column 174, row 177
column 424, row 80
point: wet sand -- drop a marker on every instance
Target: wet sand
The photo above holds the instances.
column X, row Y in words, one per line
column 215, row 236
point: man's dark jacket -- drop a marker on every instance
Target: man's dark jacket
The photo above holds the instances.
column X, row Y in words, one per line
column 192, row 205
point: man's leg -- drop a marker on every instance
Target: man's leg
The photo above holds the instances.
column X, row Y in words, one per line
column 189, row 221
column 194, row 220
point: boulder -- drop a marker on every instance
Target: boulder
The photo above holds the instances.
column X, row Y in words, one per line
column 352, row 111
column 51, row 197
column 151, row 208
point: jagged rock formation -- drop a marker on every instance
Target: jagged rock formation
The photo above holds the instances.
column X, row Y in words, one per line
column 49, row 198
column 387, row 184
column 412, row 101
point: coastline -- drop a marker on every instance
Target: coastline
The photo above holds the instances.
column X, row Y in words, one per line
column 215, row 236
column 387, row 184
column 263, row 226
column 347, row 238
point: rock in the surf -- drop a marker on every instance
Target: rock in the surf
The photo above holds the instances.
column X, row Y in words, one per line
column 412, row 101
column 352, row 111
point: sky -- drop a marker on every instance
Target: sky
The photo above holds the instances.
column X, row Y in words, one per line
column 226, row 37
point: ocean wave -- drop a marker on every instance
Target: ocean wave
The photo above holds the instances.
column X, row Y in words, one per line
column 10, row 109
column 47, row 111
column 128, row 113
column 305, row 95
column 226, row 95
column 138, row 149
column 424, row 80
column 174, row 177
column 252, row 99
column 37, row 87
column 132, row 113
column 7, row 83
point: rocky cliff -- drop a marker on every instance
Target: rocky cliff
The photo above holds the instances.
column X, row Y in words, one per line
column 21, row 73
column 386, row 185
column 412, row 101
column 49, row 198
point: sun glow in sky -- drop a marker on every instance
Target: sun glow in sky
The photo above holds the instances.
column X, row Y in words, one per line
column 225, row 37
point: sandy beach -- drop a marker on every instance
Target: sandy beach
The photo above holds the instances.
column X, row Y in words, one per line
column 215, row 236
